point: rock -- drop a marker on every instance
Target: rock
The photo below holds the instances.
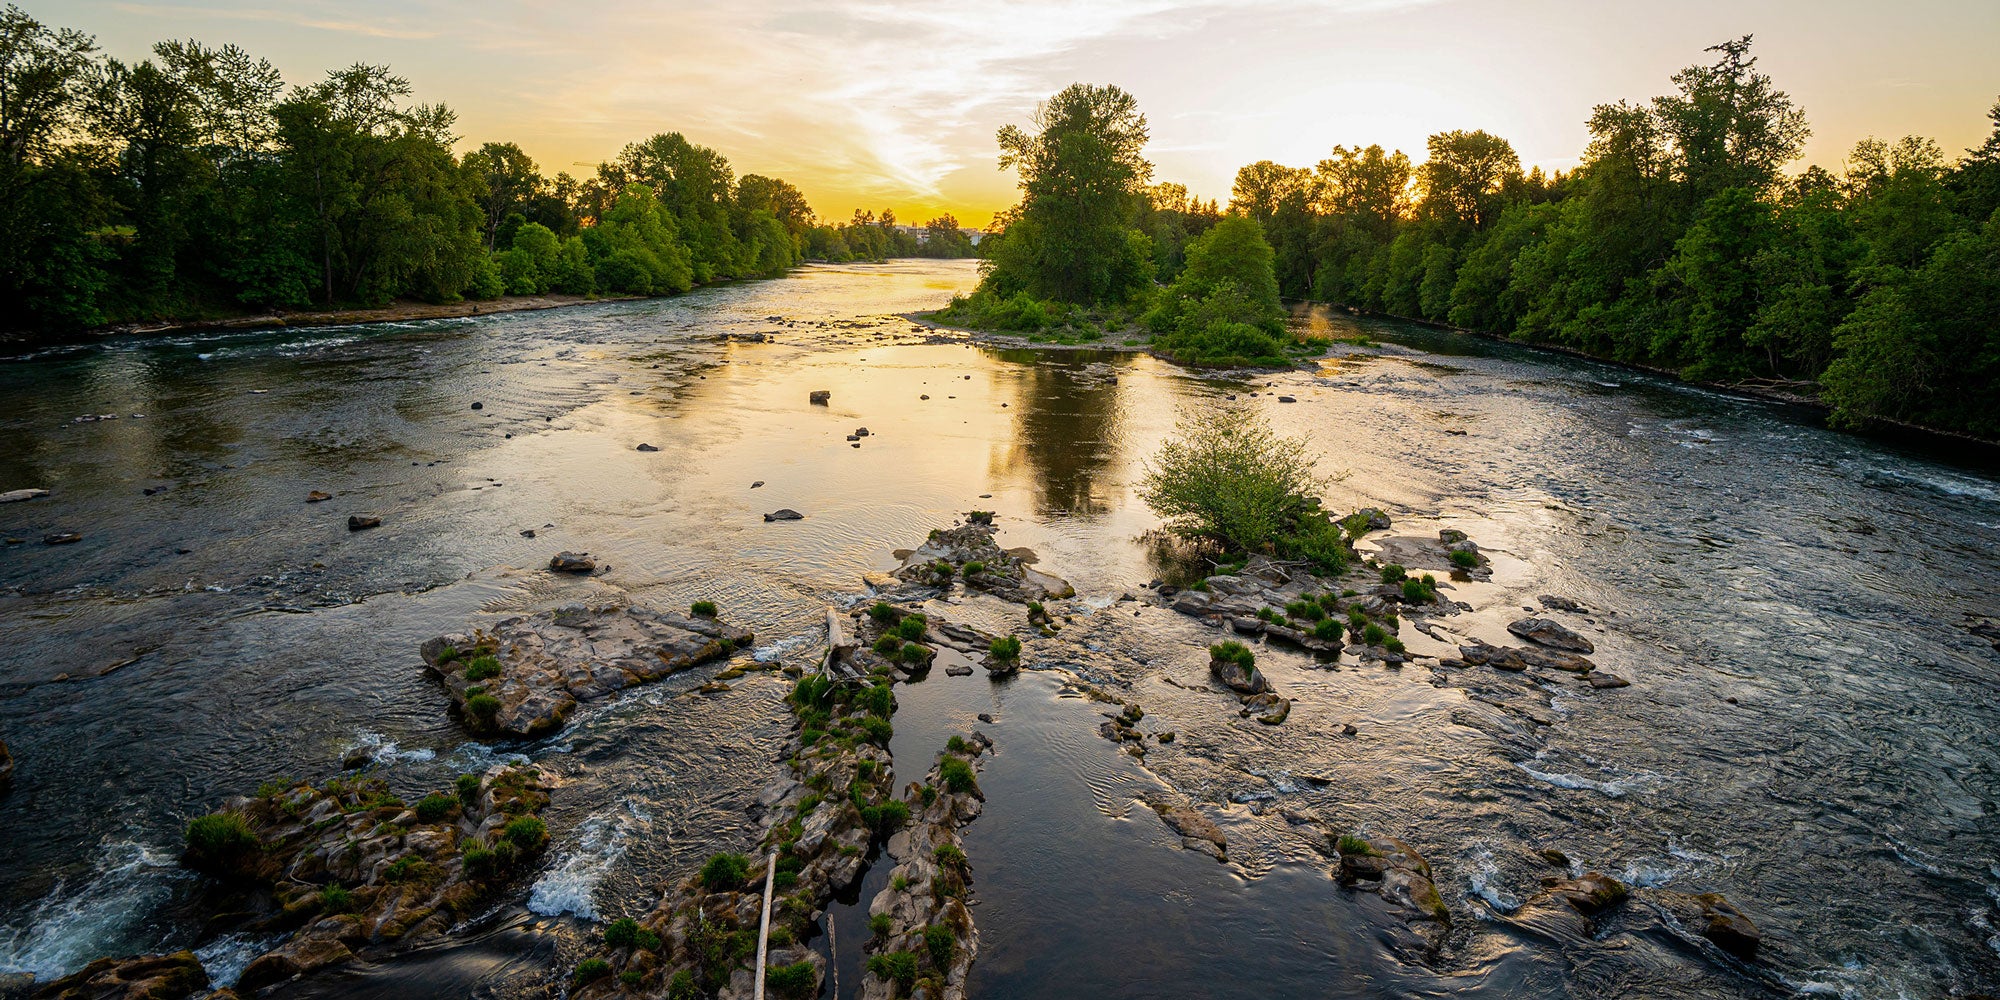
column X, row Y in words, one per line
column 362, row 522
column 819, row 396
column 1286, row 399
column 479, row 406
column 1565, row 909
column 986, row 717
column 573, row 562
column 645, row 447
column 861, row 432
column 1197, row 832
column 784, row 514
column 145, row 977
column 357, row 758
column 1550, row 633
column 6, row 767
column 1555, row 603
column 318, row 496
column 1237, row 678
column 1516, row 659
column 1400, row 877
column 1711, row 915
column 757, row 485
column 1452, row 536
column 527, row 532
column 1377, row 520
column 1347, row 729
column 61, row 538
column 1600, row 679
column 16, row 496
column 958, row 670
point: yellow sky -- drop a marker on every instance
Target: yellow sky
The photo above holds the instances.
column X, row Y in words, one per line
column 873, row 103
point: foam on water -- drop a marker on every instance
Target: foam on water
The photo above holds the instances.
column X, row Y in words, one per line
column 1482, row 880
column 571, row 885
column 102, row 916
column 226, row 957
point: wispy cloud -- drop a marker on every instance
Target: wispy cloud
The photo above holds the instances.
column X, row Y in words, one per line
column 295, row 18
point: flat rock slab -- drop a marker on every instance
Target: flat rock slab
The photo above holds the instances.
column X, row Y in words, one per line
column 1553, row 634
column 16, row 496
column 549, row 662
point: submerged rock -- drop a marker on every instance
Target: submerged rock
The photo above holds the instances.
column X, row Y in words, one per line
column 1197, row 832
column 61, row 538
column 573, row 562
column 1414, row 916
column 362, row 522
column 1565, row 909
column 526, row 675
column 1553, row 634
column 318, row 496
column 1711, row 915
column 144, row 977
column 784, row 514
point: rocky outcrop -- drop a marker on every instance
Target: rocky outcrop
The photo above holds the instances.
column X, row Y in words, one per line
column 928, row 928
column 1711, row 915
column 352, row 870
column 527, row 674
column 1566, row 909
column 1409, row 910
column 968, row 553
column 1197, row 831
column 1514, row 658
column 145, row 977
column 1550, row 633
column 1238, row 674
column 573, row 562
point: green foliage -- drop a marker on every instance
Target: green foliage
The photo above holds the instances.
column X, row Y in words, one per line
column 1328, row 630
column 1231, row 651
column 435, row 806
column 949, row 856
column 482, row 706
column 335, row 899
column 914, row 653
column 890, row 645
column 1351, row 844
column 219, row 841
column 1007, row 648
column 682, row 986
column 1225, row 477
column 797, row 981
column 590, row 970
column 526, row 833
column 1420, row 591
column 1223, row 309
column 887, row 816
column 1305, row 610
column 911, row 627
column 1393, row 573
column 884, row 613
column 411, row 868
column 467, row 787
column 482, row 668
column 880, row 924
column 704, row 609
column 957, row 775
column 1373, row 634
column 899, row 967
column 725, row 871
column 941, row 945
column 876, row 730
column 621, row 933
column 973, row 569
column 956, row 744
column 1464, row 559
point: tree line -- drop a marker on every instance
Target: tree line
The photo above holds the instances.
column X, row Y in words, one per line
column 194, row 183
column 1679, row 242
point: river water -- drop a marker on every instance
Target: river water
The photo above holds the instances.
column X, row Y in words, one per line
column 1809, row 728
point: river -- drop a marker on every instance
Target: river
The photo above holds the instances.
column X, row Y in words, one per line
column 1809, row 727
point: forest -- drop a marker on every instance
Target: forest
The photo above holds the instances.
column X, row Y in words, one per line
column 1681, row 242
column 195, row 184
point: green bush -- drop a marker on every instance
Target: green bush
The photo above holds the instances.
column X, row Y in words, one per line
column 631, row 977
column 889, row 645
column 1225, row 477
column 914, row 653
column 949, row 856
column 1392, row 573
column 435, row 806
column 218, row 841
column 467, row 787
column 911, row 627
column 1351, row 844
column 1393, row 644
column 956, row 744
column 1305, row 610
column 704, row 609
column 957, row 775
column 482, row 668
column 797, row 981
column 590, row 970
column 881, row 925
column 899, row 967
column 884, row 613
column 1464, row 559
column 526, row 833
column 1232, row 651
column 888, row 816
column 1422, row 591
column 335, row 899
column 725, row 871
column 621, row 933
column 878, row 700
column 1328, row 630
column 480, row 863
column 973, row 569
column 482, row 706
column 1373, row 635
column 1006, row 648
column 410, row 868
column 877, row 730
column 942, row 945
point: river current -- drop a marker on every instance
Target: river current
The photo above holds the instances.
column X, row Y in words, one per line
column 1810, row 726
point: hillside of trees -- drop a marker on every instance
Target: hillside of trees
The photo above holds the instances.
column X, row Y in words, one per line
column 1681, row 242
column 194, row 184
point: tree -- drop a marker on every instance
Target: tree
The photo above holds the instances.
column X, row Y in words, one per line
column 1081, row 174
column 1728, row 126
column 1225, row 477
column 1223, row 308
column 1465, row 175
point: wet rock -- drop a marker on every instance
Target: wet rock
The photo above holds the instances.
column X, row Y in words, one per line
column 145, row 977
column 1565, row 909
column 861, row 432
column 362, row 522
column 573, row 562
column 947, row 553
column 986, row 718
column 784, row 514
column 61, row 538
column 16, row 496
column 958, row 670
column 1601, row 679
column 1238, row 677
column 547, row 663
column 479, row 406
column 527, row 532
column 1711, row 915
column 645, row 447
column 757, row 485
column 1274, row 710
column 819, row 396
column 6, row 768
column 318, row 496
column 1556, row 603
column 357, row 758
column 1412, row 914
column 1197, row 832
column 1286, row 399
column 1516, row 659
column 1550, row 633
column 1377, row 520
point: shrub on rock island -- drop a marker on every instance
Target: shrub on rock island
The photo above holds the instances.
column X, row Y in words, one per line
column 591, row 970
column 796, row 981
column 467, row 787
column 1226, row 479
column 889, row 645
column 1234, row 652
column 884, row 613
column 435, row 806
column 911, row 627
column 218, row 842
column 725, row 871
column 704, row 609
column 480, row 705
column 482, row 668
column 957, row 775
column 942, row 944
column 1464, row 559
column 526, row 833
column 899, row 967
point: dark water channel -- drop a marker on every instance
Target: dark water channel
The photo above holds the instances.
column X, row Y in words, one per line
column 1810, row 727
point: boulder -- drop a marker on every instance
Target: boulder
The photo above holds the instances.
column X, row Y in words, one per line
column 784, row 514
column 144, row 977
column 362, row 522
column 1711, row 915
column 1413, row 914
column 1600, row 679
column 1550, row 633
column 1565, row 909
column 1238, row 678
column 819, row 396
column 1377, row 520
column 1197, row 832
column 573, row 562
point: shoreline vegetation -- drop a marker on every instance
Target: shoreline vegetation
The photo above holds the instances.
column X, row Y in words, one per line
column 193, row 187
column 1678, row 245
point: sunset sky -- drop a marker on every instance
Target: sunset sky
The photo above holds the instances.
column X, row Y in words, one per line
column 872, row 103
